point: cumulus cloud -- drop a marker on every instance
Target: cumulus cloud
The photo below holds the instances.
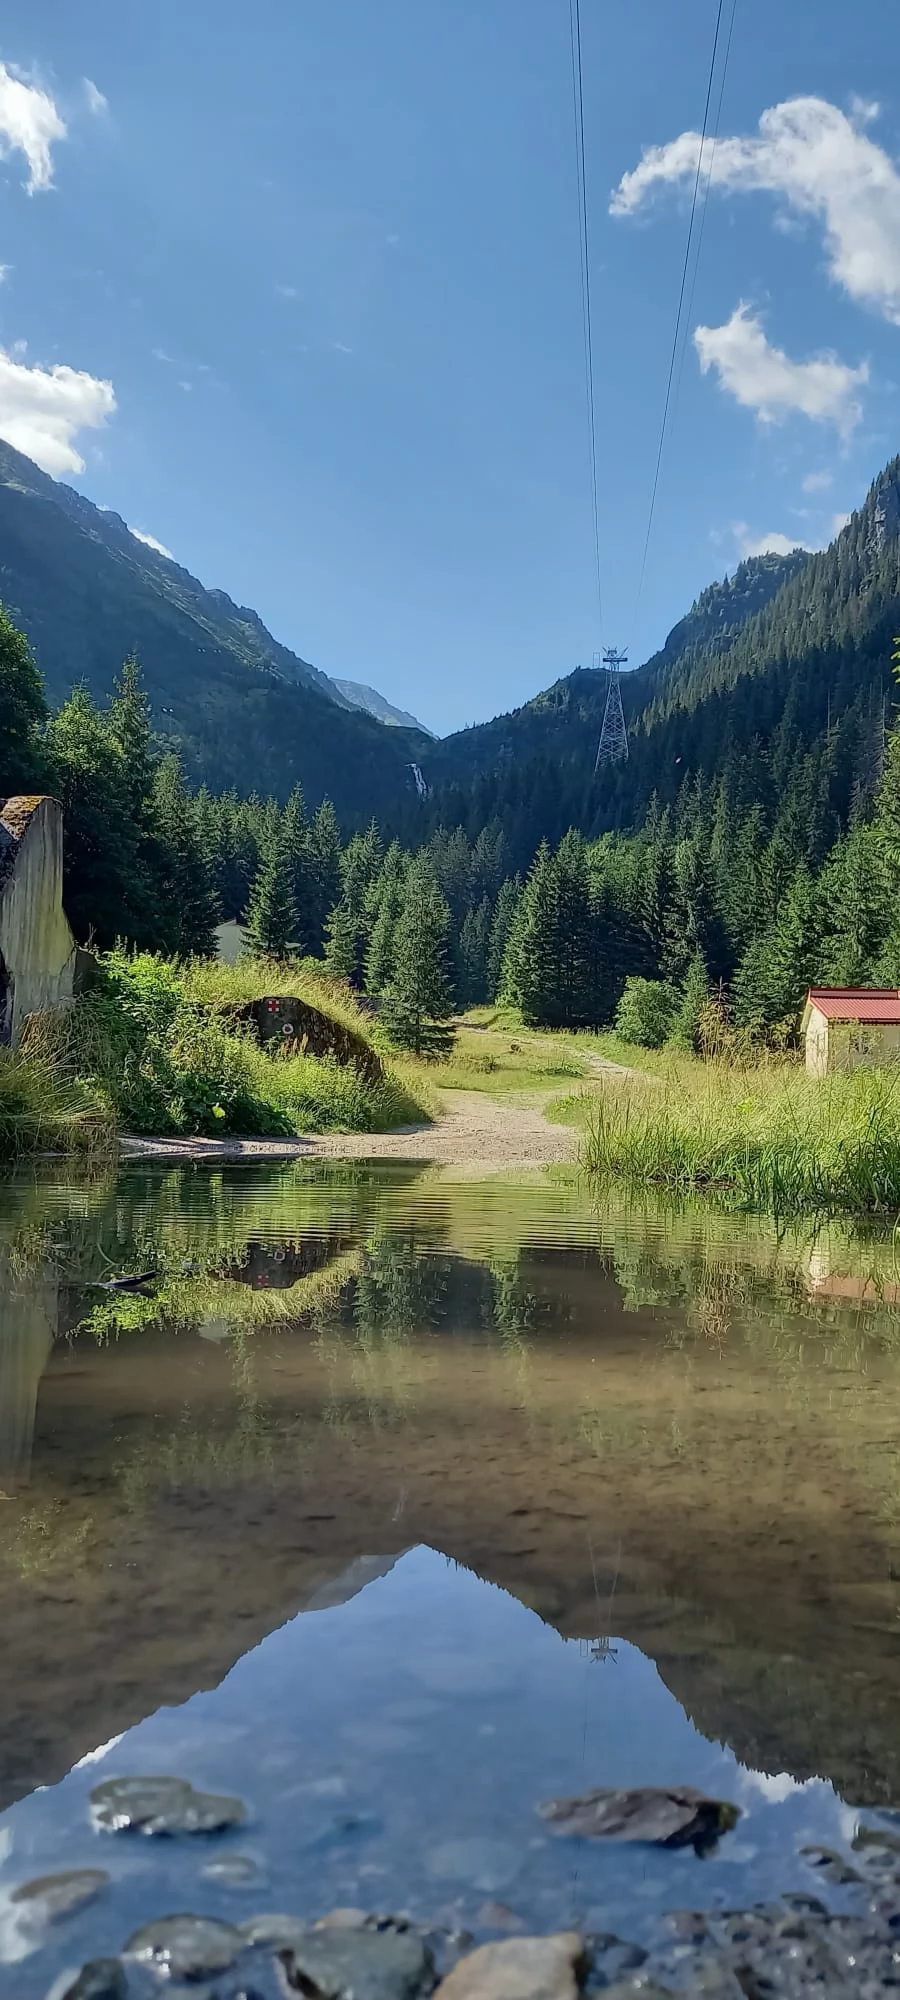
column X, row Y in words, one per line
column 42, row 410
column 151, row 542
column 29, row 124
column 823, row 165
column 764, row 379
column 96, row 103
column 772, row 544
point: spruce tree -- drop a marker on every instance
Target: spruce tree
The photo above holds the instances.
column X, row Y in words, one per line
column 341, row 933
column 188, row 908
column 419, row 995
column 272, row 915
column 23, row 711
column 694, row 996
column 385, row 905
column 508, row 898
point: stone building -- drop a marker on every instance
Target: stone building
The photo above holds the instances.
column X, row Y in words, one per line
column 37, row 949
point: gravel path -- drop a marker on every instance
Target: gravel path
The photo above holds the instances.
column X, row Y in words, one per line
column 474, row 1132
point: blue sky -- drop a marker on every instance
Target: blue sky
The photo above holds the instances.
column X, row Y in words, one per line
column 315, row 266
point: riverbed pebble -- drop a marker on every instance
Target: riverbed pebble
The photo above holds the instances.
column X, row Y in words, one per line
column 186, row 1947
column 528, row 1968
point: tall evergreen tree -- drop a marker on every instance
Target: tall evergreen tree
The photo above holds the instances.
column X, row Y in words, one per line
column 188, row 908
column 23, row 711
column 272, row 914
column 419, row 993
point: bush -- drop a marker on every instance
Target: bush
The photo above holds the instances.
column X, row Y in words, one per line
column 646, row 1012
column 168, row 1064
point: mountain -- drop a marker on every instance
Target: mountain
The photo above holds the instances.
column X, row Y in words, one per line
column 360, row 696
column 777, row 678
column 245, row 709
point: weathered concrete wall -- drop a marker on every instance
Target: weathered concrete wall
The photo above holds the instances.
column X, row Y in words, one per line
column 840, row 1045
column 37, row 948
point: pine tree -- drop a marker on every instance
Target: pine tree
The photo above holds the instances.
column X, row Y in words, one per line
column 530, row 969
column 385, row 905
column 508, row 898
column 419, row 995
column 475, row 939
column 272, row 915
column 23, row 711
column 128, row 723
column 341, row 942
column 188, row 909
column 324, row 852
column 694, row 996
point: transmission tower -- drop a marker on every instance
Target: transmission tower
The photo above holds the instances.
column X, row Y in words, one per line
column 613, row 745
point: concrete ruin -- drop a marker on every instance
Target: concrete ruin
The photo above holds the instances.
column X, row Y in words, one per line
column 37, row 948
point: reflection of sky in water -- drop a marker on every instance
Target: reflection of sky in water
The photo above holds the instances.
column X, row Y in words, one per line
column 392, row 1751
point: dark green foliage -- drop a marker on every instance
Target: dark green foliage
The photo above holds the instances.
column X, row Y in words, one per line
column 23, row 710
column 695, row 995
column 418, row 996
column 647, row 1012
column 186, row 906
column 507, row 903
column 385, row 905
column 272, row 915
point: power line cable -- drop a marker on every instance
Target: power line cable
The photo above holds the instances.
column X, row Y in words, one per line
column 584, row 246
column 681, row 302
column 703, row 211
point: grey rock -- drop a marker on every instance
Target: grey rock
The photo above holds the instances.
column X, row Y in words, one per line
column 186, row 1947
column 830, row 1864
column 529, row 1968
column 358, row 1965
column 676, row 1816
column 161, row 1806
column 100, row 1979
column 49, row 1897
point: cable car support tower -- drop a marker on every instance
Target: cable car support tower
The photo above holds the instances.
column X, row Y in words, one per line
column 613, row 745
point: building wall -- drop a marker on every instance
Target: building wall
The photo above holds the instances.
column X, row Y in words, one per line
column 36, row 943
column 843, row 1045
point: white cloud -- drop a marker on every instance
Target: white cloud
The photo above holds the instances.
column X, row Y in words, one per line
column 29, row 124
column 151, row 542
column 839, row 522
column 43, row 409
column 764, row 379
column 823, row 165
column 97, row 104
column 774, row 543
column 818, row 482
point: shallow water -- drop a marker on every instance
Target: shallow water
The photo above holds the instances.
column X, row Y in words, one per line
column 397, row 1504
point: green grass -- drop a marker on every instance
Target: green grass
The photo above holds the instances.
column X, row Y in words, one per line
column 768, row 1137
column 502, row 1058
column 44, row 1106
column 153, row 1040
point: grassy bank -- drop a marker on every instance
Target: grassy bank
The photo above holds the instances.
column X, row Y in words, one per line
column 151, row 1049
column 766, row 1137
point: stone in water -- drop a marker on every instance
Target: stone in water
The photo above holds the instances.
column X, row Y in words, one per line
column 669, row 1817
column 161, row 1805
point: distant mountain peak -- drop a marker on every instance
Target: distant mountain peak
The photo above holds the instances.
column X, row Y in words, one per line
column 361, row 696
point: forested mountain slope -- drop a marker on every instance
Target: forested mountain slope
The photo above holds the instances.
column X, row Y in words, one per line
column 244, row 709
column 777, row 680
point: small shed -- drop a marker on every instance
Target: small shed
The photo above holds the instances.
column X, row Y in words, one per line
column 37, row 949
column 851, row 1027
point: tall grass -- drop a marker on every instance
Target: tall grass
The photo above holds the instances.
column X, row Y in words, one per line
column 764, row 1138
column 44, row 1106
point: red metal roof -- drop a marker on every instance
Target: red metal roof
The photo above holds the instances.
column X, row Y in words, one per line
column 856, row 1003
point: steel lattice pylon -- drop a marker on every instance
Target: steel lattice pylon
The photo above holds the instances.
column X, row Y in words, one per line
column 613, row 745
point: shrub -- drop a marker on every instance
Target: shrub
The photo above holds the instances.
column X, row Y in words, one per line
column 646, row 1012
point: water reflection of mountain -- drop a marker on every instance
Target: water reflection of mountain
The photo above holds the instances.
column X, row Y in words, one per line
column 655, row 1438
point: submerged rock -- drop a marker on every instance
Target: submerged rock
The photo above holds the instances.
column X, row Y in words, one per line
column 233, row 1871
column 50, row 1897
column 486, row 1864
column 341, row 1964
column 100, row 1979
column 186, row 1947
column 162, row 1806
column 528, row 1968
column 676, row 1816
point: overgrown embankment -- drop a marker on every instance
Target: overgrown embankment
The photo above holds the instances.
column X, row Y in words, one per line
column 766, row 1136
column 171, row 1049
